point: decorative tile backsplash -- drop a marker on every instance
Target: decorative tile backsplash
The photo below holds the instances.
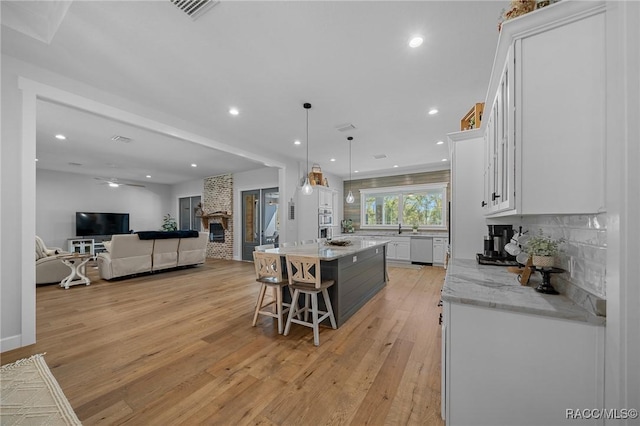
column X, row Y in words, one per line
column 583, row 256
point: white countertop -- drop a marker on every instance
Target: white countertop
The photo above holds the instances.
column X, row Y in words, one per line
column 488, row 286
column 330, row 252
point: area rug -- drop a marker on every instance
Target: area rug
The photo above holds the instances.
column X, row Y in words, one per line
column 30, row 395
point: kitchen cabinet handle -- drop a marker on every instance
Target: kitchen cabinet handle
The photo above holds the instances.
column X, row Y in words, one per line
column 484, row 203
column 494, row 196
column 440, row 320
column 440, row 303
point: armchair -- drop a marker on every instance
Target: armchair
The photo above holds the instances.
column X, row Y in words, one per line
column 49, row 269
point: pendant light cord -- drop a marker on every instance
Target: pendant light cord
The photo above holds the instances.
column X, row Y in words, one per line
column 307, row 171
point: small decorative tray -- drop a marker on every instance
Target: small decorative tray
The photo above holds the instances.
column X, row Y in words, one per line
column 341, row 243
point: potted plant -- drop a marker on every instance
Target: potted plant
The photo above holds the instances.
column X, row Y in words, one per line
column 169, row 223
column 543, row 250
column 415, row 227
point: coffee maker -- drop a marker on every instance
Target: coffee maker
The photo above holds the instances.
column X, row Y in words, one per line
column 497, row 238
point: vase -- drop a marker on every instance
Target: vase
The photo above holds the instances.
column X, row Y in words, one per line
column 543, row 261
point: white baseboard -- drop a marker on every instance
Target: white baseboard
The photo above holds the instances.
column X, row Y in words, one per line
column 11, row 342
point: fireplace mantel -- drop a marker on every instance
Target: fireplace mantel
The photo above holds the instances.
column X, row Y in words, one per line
column 222, row 217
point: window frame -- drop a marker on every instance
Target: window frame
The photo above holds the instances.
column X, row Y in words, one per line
column 400, row 191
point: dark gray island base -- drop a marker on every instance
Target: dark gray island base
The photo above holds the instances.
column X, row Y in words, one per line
column 359, row 272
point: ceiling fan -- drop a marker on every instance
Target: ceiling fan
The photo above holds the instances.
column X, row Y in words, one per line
column 115, row 183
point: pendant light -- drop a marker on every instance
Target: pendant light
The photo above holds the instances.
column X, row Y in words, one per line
column 307, row 189
column 350, row 198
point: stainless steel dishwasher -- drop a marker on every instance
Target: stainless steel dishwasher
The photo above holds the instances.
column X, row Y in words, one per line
column 422, row 250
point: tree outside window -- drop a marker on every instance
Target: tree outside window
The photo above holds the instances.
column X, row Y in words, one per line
column 423, row 206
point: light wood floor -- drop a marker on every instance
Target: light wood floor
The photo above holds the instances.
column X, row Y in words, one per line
column 178, row 348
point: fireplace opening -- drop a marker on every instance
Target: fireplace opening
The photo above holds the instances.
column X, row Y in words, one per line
column 216, row 233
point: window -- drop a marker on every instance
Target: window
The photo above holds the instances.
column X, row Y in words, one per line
column 421, row 205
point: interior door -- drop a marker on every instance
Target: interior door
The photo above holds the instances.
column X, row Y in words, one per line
column 260, row 223
column 250, row 222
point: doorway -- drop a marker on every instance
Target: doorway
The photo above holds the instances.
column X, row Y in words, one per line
column 260, row 224
column 187, row 218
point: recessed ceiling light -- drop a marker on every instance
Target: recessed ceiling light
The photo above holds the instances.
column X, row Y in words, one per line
column 61, row 137
column 439, row 143
column 36, row 159
column 194, row 165
column 148, row 176
column 444, row 159
column 333, row 159
column 297, row 142
column 113, row 184
column 234, row 111
column 433, row 111
column 395, row 165
column 355, row 171
column 415, row 41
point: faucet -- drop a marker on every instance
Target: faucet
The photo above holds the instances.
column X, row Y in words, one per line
column 399, row 228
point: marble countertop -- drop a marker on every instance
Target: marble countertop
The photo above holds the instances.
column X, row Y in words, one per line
column 488, row 286
column 330, row 252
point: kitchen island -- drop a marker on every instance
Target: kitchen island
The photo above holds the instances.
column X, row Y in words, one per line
column 358, row 269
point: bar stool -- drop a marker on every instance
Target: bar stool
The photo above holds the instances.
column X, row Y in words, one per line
column 269, row 274
column 304, row 277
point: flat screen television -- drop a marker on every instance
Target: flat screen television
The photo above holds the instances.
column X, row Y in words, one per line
column 89, row 223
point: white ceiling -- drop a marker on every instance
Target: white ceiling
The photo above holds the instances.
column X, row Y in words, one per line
column 350, row 60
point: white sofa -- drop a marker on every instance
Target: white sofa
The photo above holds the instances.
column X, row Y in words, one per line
column 127, row 254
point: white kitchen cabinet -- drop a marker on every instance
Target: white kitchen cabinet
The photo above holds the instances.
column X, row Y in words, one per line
column 545, row 131
column 399, row 249
column 439, row 250
column 468, row 223
column 315, row 211
column 508, row 368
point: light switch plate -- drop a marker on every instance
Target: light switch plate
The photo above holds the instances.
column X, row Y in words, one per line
column 355, row 259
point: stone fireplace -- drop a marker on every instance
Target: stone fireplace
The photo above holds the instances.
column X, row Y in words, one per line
column 218, row 197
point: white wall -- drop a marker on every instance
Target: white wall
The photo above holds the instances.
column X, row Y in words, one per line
column 60, row 195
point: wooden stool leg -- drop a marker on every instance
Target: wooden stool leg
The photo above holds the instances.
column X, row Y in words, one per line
column 293, row 309
column 306, row 307
column 278, row 291
column 314, row 316
column 263, row 289
column 327, row 303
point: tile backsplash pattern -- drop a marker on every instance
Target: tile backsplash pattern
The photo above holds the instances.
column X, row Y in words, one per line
column 583, row 256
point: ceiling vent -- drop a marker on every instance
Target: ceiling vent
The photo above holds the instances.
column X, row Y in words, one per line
column 345, row 127
column 194, row 8
column 379, row 156
column 122, row 139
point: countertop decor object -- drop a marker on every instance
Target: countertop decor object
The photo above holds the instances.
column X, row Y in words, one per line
column 307, row 189
column 341, row 243
column 543, row 249
column 545, row 286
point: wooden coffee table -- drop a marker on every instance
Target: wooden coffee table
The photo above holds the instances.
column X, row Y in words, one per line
column 76, row 262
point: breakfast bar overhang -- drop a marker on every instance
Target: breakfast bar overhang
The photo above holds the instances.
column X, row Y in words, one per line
column 358, row 269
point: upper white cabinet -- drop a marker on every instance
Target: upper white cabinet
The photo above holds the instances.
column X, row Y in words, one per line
column 545, row 135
